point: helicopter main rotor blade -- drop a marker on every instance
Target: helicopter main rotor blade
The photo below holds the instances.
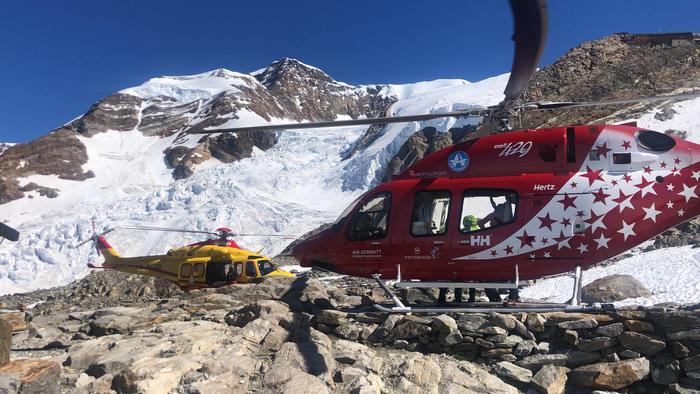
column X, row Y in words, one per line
column 109, row 230
column 341, row 123
column 574, row 104
column 263, row 235
column 172, row 230
column 8, row 232
column 530, row 34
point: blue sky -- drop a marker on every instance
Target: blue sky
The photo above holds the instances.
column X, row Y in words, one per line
column 57, row 58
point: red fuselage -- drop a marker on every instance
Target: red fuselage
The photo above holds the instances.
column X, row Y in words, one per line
column 573, row 196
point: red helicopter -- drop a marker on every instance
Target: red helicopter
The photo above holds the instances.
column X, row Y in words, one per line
column 507, row 206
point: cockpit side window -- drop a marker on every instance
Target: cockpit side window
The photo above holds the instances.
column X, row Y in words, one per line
column 250, row 270
column 371, row 220
column 487, row 208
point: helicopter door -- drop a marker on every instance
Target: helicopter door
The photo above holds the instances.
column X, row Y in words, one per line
column 428, row 238
column 367, row 231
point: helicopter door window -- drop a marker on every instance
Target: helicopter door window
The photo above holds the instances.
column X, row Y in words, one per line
column 198, row 270
column 371, row 220
column 238, row 269
column 250, row 270
column 430, row 212
column 186, row 270
column 266, row 267
column 487, row 208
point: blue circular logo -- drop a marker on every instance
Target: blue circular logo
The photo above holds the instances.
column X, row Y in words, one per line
column 458, row 161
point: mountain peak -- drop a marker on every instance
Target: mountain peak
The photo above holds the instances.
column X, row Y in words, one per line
column 290, row 69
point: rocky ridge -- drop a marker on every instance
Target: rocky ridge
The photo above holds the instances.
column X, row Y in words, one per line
column 298, row 334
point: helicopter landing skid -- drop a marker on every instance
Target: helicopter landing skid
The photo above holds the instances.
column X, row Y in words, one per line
column 574, row 304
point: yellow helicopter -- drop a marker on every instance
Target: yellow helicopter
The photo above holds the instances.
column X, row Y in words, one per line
column 210, row 263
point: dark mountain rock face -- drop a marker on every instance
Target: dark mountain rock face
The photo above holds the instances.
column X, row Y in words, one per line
column 610, row 68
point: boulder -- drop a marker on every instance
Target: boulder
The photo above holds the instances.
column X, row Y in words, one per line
column 550, row 379
column 386, row 327
column 639, row 326
column 469, row 322
column 595, row 344
column 641, row 343
column 508, row 370
column 444, row 323
column 525, row 348
column 506, row 322
column 611, row 376
column 691, row 363
column 407, row 330
column 331, row 317
column 17, row 320
column 577, row 359
column 466, row 377
column 535, row 362
column 493, row 330
column 578, row 324
column 693, row 335
column 35, row 376
column 613, row 288
column 535, row 322
column 666, row 375
column 5, row 342
column 611, row 330
column 450, row 339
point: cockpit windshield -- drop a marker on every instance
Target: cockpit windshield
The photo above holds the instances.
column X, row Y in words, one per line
column 349, row 209
column 266, row 267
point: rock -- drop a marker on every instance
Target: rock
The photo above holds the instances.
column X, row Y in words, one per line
column 331, row 317
column 111, row 324
column 10, row 384
column 611, row 330
column 302, row 383
column 450, row 339
column 498, row 352
column 5, row 342
column 444, row 323
column 493, row 330
column 510, row 341
column 407, row 330
column 399, row 344
column 543, row 347
column 352, row 353
column 611, row 376
column 535, row 362
column 17, row 320
column 535, row 322
column 386, row 327
column 35, row 376
column 666, row 375
column 613, row 288
column 679, row 389
column 484, row 343
column 679, row 350
column 685, row 335
column 639, row 326
column 466, row 377
column 577, row 359
column 641, row 343
column 571, row 337
column 508, row 370
column 348, row 331
column 293, row 358
column 496, row 338
column 691, row 363
column 595, row 344
column 506, row 322
column 125, row 382
column 629, row 354
column 469, row 322
column 578, row 324
column 525, row 348
column 554, row 318
column 420, row 371
column 550, row 379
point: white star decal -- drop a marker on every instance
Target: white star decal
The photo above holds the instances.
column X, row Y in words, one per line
column 696, row 175
column 627, row 203
column 651, row 213
column 669, row 205
column 546, row 255
column 681, row 212
column 670, row 187
column 602, row 241
column 532, row 256
column 688, row 192
column 676, row 172
column 564, row 244
column 627, row 229
column 583, row 248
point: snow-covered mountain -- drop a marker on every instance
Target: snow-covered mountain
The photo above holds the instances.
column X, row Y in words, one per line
column 299, row 181
column 130, row 160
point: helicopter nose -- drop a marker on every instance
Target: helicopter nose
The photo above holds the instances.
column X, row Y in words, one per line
column 311, row 253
